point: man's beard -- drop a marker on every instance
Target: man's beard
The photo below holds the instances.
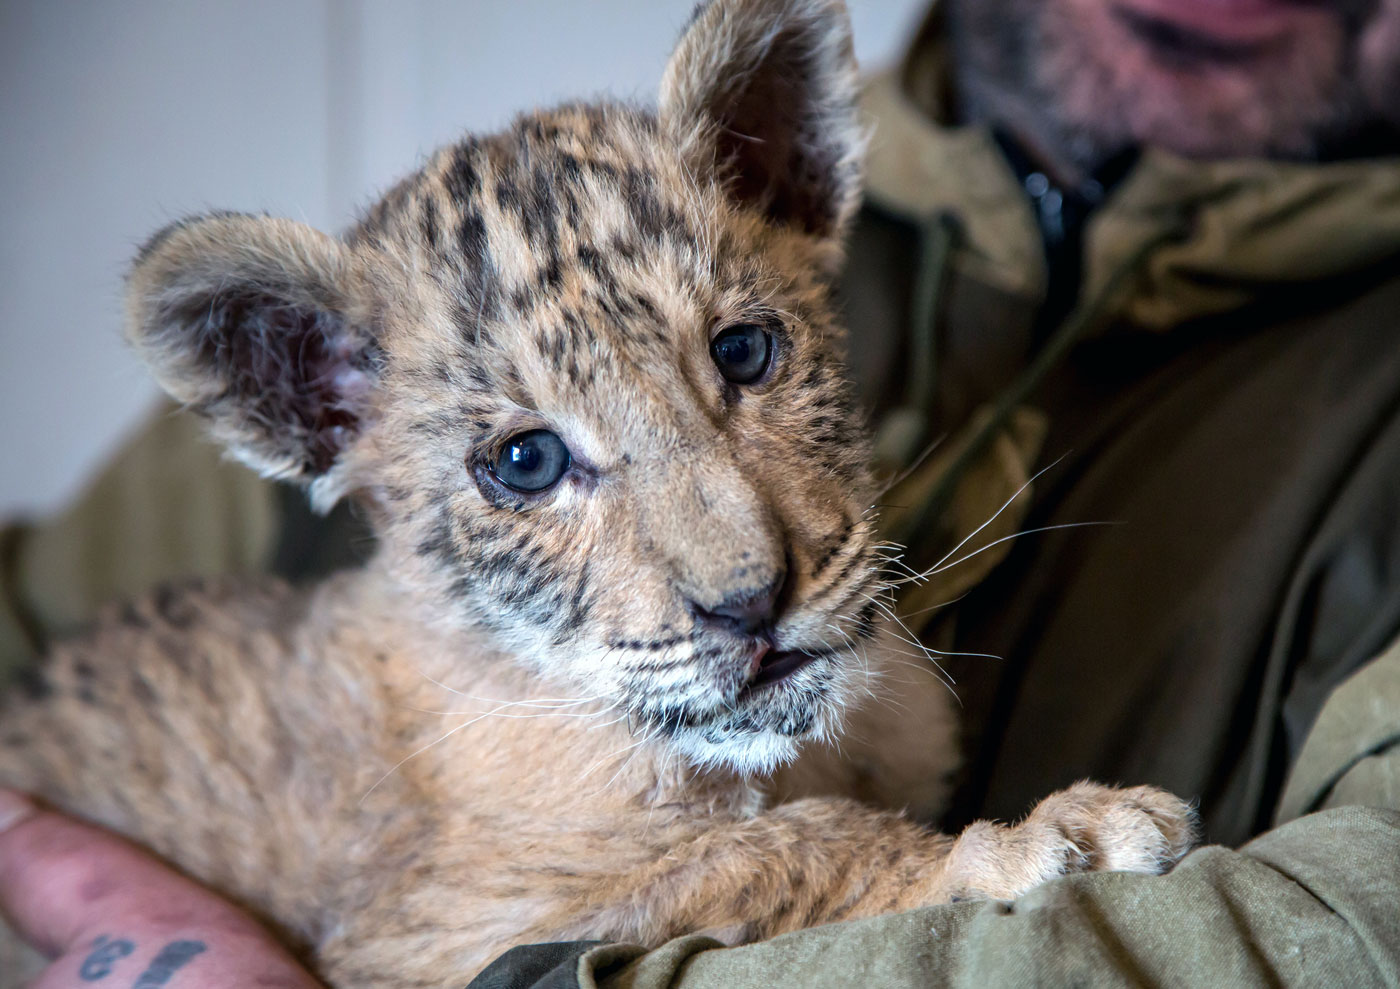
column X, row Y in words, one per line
column 1080, row 82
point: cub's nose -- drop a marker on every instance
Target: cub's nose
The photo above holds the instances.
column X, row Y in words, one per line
column 748, row 611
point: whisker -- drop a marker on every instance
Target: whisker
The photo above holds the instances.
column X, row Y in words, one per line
column 1014, row 535
column 395, row 768
column 935, row 607
column 997, row 514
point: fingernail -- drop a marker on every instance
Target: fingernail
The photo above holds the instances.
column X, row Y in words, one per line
column 14, row 808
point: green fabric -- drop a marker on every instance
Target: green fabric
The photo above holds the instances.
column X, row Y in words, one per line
column 1253, row 566
column 544, row 966
column 1177, row 242
column 1254, row 225
column 1352, row 755
column 929, row 512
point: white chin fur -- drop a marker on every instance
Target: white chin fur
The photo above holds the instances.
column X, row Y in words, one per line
column 750, row 754
column 755, row 751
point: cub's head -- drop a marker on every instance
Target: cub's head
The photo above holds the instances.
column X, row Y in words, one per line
column 585, row 375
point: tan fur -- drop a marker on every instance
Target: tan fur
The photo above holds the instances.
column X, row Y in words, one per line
column 514, row 724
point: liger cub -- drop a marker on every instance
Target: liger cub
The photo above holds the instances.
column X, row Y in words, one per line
column 584, row 378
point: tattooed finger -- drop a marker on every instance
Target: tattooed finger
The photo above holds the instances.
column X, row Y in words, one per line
column 110, row 915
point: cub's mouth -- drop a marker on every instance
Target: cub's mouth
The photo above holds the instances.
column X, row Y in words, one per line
column 788, row 696
column 766, row 695
column 756, row 708
column 774, row 666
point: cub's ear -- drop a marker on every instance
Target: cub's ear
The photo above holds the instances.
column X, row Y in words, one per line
column 264, row 327
column 765, row 91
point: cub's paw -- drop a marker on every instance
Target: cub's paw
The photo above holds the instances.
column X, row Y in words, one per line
column 1086, row 828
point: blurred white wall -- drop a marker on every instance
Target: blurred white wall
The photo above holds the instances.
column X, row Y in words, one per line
column 117, row 117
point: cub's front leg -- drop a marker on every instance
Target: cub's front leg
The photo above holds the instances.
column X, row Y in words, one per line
column 808, row 862
column 821, row 860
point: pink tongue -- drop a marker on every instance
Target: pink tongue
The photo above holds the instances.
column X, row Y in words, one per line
column 760, row 656
column 777, row 665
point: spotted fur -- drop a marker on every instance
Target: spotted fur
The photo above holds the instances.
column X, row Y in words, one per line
column 605, row 766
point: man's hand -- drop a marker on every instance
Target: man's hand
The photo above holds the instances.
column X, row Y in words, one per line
column 111, row 916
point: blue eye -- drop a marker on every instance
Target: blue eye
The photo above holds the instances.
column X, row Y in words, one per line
column 742, row 353
column 532, row 461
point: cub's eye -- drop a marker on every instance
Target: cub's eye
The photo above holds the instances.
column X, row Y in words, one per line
column 531, row 461
column 742, row 353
